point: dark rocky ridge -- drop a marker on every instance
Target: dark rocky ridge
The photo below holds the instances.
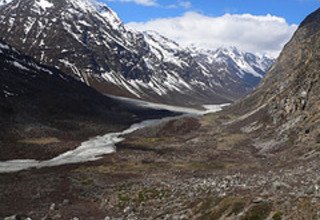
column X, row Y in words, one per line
column 37, row 101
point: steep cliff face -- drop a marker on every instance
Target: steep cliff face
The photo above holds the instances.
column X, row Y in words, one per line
column 286, row 105
column 87, row 40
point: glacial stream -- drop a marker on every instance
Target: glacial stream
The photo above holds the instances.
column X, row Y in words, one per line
column 96, row 147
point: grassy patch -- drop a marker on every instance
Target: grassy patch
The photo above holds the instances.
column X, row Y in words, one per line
column 216, row 118
column 237, row 206
column 147, row 141
column 318, row 139
column 214, row 208
column 198, row 166
column 209, row 118
column 151, row 193
column 277, row 216
column 205, row 208
column 258, row 212
column 40, row 141
column 227, row 142
column 112, row 168
column 124, row 167
column 151, row 140
column 85, row 181
column 291, row 140
column 126, row 197
column 123, row 200
column 141, row 167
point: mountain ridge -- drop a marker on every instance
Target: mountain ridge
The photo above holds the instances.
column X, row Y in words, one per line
column 89, row 41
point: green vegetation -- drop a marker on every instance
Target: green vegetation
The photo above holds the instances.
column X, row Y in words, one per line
column 215, row 208
column 123, row 200
column 228, row 141
column 40, row 141
column 258, row 212
column 152, row 193
column 209, row 118
column 147, row 141
column 143, row 195
column 206, row 208
column 198, row 166
column 277, row 216
column 151, row 140
column 318, row 139
column 85, row 181
column 141, row 167
column 291, row 141
column 237, row 207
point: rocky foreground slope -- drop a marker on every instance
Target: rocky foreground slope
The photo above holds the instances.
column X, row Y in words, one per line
column 87, row 40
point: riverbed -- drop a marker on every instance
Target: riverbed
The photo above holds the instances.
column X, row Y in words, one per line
column 96, row 147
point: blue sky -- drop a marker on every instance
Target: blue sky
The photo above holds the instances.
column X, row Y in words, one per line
column 258, row 26
column 293, row 10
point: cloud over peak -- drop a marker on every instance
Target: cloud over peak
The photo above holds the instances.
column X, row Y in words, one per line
column 265, row 34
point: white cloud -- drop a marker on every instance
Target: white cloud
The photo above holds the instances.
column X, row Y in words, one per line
column 185, row 4
column 259, row 34
column 181, row 3
column 178, row 4
column 139, row 2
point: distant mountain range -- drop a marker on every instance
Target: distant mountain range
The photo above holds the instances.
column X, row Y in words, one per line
column 88, row 41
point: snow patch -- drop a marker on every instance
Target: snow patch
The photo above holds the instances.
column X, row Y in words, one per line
column 20, row 66
column 44, row 4
column 4, row 2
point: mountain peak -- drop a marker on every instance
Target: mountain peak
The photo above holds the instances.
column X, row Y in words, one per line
column 313, row 18
column 87, row 5
column 243, row 64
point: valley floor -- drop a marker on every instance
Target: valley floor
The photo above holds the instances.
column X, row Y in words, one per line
column 94, row 148
column 189, row 168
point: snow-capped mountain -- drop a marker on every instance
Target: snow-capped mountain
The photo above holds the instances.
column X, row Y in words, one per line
column 87, row 40
column 232, row 67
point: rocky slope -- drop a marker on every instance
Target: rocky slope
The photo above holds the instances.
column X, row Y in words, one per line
column 41, row 102
column 88, row 41
column 288, row 97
